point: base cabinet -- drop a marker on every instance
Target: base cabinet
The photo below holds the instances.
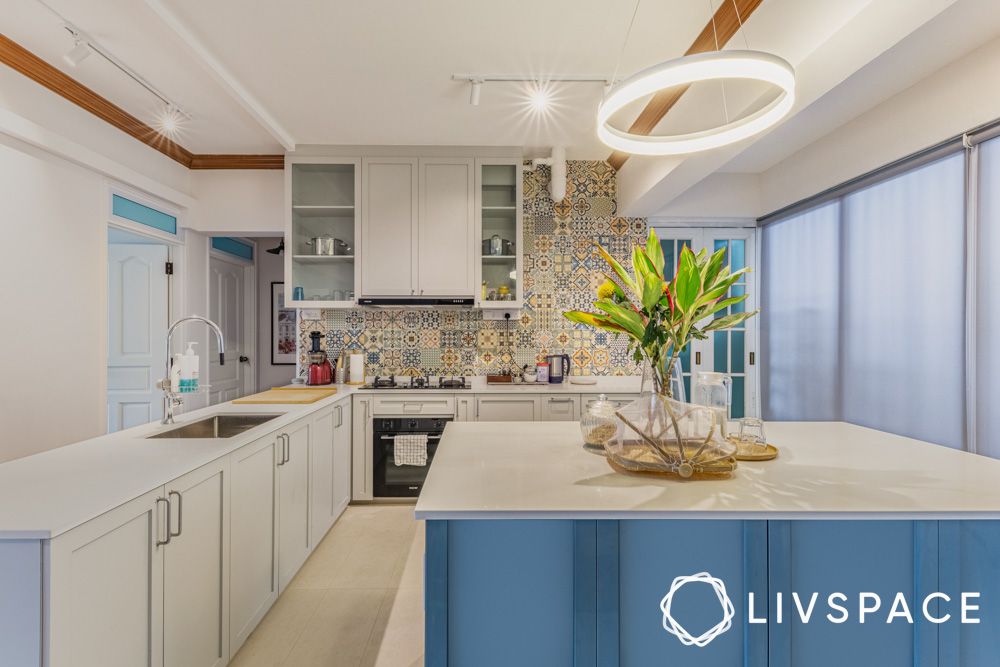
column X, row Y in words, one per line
column 361, row 445
column 252, row 564
column 508, row 408
column 560, row 408
column 196, row 570
column 106, row 588
column 293, row 502
column 329, row 469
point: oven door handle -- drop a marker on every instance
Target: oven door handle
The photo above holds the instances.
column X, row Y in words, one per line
column 392, row 437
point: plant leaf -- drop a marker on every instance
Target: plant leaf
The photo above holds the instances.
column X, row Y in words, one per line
column 618, row 269
column 728, row 322
column 592, row 319
column 628, row 319
column 687, row 281
column 652, row 291
column 655, row 252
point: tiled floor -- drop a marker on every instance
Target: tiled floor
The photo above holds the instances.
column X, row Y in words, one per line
column 357, row 602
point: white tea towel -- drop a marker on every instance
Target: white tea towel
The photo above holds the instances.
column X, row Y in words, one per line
column 410, row 449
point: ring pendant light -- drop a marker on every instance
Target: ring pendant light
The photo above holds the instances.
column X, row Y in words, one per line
column 709, row 66
column 715, row 65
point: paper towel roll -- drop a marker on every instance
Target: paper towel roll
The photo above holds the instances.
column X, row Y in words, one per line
column 357, row 369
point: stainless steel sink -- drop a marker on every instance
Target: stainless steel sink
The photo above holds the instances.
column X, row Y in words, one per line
column 219, row 426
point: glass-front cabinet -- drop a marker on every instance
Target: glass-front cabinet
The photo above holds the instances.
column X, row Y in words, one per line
column 499, row 234
column 322, row 232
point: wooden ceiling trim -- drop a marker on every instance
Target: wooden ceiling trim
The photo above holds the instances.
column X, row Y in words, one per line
column 27, row 63
column 727, row 23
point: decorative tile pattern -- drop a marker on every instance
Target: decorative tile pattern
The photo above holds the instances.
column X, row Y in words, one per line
column 562, row 271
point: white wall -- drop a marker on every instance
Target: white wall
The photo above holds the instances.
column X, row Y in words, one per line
column 53, row 291
column 957, row 97
column 718, row 196
column 238, row 202
column 270, row 268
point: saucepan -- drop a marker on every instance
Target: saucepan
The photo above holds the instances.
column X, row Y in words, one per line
column 328, row 246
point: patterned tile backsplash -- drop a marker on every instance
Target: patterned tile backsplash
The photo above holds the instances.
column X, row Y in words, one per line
column 561, row 272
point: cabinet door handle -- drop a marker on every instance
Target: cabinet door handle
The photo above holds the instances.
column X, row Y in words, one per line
column 281, row 456
column 288, row 448
column 560, row 400
column 180, row 515
column 159, row 542
column 340, row 416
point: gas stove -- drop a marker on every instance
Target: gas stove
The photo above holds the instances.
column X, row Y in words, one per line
column 416, row 383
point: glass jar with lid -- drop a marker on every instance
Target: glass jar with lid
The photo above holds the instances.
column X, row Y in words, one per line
column 598, row 424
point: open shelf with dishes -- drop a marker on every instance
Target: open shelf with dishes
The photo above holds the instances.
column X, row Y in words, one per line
column 322, row 232
column 499, row 226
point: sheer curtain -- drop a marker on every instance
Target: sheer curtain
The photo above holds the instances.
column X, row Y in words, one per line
column 863, row 308
column 988, row 302
column 800, row 318
column 903, row 304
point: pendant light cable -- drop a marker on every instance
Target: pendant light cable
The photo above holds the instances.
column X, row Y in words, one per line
column 722, row 82
column 742, row 28
column 621, row 54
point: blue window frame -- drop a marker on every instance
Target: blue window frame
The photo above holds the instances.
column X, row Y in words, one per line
column 233, row 247
column 144, row 215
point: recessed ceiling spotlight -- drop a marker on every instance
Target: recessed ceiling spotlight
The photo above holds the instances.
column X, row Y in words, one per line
column 78, row 53
column 539, row 98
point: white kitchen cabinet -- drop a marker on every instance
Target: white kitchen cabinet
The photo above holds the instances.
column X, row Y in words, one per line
column 106, row 588
column 196, row 569
column 499, row 218
column 321, row 194
column 508, row 408
column 389, row 215
column 465, row 409
column 361, row 445
column 293, row 501
column 329, row 469
column 252, row 563
column 617, row 399
column 561, row 408
column 446, row 234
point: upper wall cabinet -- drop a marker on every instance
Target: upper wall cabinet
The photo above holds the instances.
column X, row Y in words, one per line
column 322, row 231
column 418, row 223
column 499, row 233
column 389, row 226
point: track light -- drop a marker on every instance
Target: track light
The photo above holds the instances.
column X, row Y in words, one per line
column 477, row 88
column 78, row 53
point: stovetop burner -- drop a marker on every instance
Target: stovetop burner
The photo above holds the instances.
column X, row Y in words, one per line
column 425, row 382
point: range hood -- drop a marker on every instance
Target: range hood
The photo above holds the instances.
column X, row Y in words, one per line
column 425, row 301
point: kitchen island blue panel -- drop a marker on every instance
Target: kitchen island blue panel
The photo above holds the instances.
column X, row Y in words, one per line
column 552, row 592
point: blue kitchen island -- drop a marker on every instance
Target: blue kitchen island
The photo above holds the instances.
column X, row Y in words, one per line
column 854, row 547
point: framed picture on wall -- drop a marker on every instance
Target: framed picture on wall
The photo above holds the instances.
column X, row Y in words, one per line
column 283, row 325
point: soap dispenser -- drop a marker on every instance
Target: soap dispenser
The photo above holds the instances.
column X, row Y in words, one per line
column 189, row 369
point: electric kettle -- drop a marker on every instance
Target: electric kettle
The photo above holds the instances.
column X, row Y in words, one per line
column 558, row 367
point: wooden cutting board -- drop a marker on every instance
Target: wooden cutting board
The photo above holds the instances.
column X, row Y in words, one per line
column 287, row 395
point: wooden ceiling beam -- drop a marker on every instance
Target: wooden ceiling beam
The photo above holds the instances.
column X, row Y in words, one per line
column 27, row 63
column 726, row 24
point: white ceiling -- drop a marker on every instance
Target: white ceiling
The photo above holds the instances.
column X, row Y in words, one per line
column 255, row 74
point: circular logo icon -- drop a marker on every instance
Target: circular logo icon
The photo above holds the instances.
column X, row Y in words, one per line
column 671, row 625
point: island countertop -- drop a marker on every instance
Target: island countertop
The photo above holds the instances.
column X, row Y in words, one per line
column 825, row 470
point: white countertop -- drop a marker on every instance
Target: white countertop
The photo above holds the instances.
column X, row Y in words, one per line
column 49, row 493
column 828, row 470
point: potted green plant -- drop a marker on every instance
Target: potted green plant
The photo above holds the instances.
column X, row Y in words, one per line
column 662, row 317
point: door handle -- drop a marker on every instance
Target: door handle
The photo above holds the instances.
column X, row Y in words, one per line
column 159, row 542
column 697, row 358
column 244, row 359
column 751, row 358
column 180, row 515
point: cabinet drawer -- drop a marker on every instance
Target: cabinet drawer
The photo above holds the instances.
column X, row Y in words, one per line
column 414, row 405
column 507, row 408
column 560, row 408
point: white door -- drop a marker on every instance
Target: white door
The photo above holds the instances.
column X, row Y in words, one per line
column 106, row 588
column 252, row 568
column 446, row 234
column 732, row 351
column 196, row 571
column 137, row 330
column 227, row 308
column 389, row 227
column 293, row 502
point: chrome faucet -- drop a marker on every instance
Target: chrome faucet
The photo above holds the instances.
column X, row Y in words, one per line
column 171, row 399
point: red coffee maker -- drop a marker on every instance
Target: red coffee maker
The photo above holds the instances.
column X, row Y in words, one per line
column 320, row 370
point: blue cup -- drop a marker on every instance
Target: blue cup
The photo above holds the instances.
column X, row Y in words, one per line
column 298, row 294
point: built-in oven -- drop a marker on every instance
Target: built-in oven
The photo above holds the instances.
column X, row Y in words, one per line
column 401, row 481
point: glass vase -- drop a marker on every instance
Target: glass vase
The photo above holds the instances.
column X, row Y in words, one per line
column 655, row 380
column 662, row 436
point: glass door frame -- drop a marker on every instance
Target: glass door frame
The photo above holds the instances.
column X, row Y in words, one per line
column 702, row 351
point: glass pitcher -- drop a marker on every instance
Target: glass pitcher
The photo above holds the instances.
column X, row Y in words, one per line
column 714, row 390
